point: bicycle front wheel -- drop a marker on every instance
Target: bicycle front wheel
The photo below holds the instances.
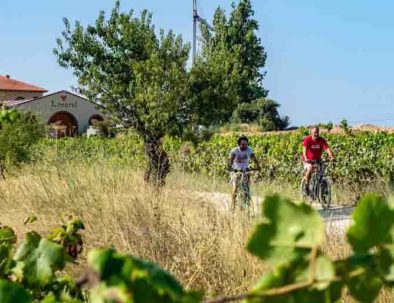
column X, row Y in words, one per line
column 303, row 193
column 325, row 194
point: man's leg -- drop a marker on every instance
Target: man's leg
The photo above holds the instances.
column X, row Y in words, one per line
column 234, row 183
column 307, row 176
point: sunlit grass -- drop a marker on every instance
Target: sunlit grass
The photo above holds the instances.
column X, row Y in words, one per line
column 186, row 228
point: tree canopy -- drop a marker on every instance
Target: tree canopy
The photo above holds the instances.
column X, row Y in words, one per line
column 228, row 72
column 138, row 76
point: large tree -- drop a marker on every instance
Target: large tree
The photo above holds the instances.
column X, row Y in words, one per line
column 138, row 77
column 229, row 69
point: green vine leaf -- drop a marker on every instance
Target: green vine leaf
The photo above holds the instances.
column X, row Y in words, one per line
column 322, row 287
column 7, row 236
column 386, row 264
column 7, row 240
column 128, row 279
column 373, row 221
column 325, row 273
column 30, row 220
column 365, row 287
column 289, row 233
column 38, row 259
column 11, row 292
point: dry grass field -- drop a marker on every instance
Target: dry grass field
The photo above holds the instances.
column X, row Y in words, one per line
column 179, row 228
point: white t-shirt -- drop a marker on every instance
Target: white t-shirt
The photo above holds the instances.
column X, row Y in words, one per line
column 241, row 158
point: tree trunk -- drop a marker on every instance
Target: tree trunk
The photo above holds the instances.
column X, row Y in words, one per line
column 158, row 165
column 2, row 176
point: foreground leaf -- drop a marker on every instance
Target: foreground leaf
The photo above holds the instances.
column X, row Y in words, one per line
column 38, row 259
column 7, row 235
column 361, row 276
column 386, row 264
column 373, row 221
column 291, row 231
column 128, row 279
column 13, row 293
column 7, row 239
column 323, row 289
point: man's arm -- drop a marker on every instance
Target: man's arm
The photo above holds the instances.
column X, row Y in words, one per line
column 255, row 161
column 328, row 150
column 304, row 153
column 330, row 154
column 230, row 161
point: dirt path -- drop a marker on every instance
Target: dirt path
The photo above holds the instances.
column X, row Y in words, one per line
column 337, row 219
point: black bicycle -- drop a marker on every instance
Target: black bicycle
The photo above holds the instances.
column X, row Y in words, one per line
column 319, row 185
column 243, row 195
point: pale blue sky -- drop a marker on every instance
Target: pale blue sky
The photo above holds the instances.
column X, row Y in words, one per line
column 327, row 60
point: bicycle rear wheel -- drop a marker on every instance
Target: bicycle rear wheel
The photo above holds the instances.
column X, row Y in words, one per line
column 325, row 194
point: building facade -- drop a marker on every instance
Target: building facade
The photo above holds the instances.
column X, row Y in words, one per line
column 68, row 114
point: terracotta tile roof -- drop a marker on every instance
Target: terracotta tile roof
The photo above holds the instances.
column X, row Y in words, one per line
column 8, row 84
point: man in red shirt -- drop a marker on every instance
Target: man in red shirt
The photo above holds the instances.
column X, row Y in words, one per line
column 312, row 150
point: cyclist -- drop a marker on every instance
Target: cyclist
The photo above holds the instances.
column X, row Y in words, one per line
column 312, row 150
column 239, row 160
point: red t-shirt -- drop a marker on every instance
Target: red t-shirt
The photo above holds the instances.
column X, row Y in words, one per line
column 314, row 148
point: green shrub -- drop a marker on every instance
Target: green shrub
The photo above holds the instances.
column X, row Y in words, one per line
column 18, row 133
column 262, row 111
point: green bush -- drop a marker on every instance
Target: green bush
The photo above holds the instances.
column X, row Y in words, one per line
column 19, row 131
column 262, row 111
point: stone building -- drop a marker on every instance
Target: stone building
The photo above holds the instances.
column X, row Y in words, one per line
column 67, row 113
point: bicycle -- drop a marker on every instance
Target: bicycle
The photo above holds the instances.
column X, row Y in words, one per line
column 319, row 186
column 243, row 195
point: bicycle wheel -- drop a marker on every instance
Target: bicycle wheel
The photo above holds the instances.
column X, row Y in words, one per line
column 314, row 191
column 243, row 195
column 246, row 200
column 304, row 196
column 325, row 194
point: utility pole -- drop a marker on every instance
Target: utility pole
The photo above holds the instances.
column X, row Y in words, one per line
column 195, row 19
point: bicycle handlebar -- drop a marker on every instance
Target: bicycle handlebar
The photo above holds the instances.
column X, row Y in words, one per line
column 319, row 161
column 244, row 171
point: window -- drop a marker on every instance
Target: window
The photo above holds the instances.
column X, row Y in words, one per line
column 20, row 98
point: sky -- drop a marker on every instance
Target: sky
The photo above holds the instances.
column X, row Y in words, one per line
column 327, row 60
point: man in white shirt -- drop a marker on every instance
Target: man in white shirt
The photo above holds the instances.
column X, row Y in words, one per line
column 239, row 160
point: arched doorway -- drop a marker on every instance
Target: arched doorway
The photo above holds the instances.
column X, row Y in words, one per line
column 63, row 124
column 94, row 118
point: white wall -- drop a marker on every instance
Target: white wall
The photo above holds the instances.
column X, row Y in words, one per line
column 48, row 105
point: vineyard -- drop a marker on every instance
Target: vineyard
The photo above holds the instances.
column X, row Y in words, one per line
column 362, row 157
column 289, row 240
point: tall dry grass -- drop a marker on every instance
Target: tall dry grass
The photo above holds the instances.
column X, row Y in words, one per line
column 185, row 228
